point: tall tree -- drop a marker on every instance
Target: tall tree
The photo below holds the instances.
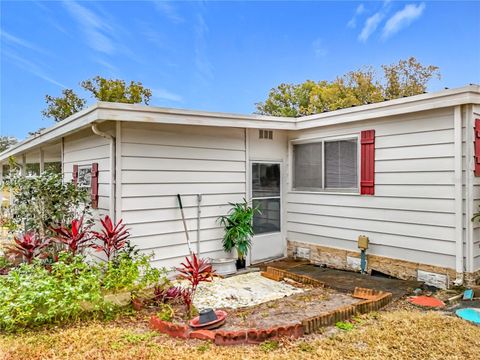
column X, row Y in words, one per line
column 116, row 90
column 407, row 77
column 6, row 142
column 59, row 108
column 363, row 86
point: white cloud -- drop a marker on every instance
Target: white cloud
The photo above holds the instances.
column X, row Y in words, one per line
column 167, row 9
column 166, row 95
column 370, row 26
column 319, row 49
column 358, row 11
column 202, row 62
column 9, row 38
column 31, row 67
column 96, row 30
column 402, row 19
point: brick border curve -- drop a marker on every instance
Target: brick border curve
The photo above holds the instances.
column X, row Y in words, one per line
column 373, row 300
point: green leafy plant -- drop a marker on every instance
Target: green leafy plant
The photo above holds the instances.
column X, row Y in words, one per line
column 347, row 326
column 269, row 345
column 238, row 225
column 43, row 202
column 166, row 312
column 130, row 274
column 32, row 295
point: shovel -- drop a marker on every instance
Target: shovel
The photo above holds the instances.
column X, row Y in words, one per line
column 179, row 197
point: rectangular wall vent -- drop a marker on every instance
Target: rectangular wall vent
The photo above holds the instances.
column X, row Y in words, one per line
column 265, row 134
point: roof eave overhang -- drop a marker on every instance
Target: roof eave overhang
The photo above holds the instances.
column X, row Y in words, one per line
column 104, row 111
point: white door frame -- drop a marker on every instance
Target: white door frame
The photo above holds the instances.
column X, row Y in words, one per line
column 280, row 233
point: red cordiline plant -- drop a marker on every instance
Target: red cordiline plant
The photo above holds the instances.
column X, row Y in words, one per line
column 112, row 238
column 76, row 237
column 28, row 245
column 195, row 271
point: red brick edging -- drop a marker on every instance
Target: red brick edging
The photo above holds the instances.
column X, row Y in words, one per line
column 222, row 337
column 373, row 300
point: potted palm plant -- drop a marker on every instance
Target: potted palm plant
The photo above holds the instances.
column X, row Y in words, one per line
column 238, row 224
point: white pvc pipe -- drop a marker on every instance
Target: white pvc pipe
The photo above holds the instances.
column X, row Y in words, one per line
column 111, row 138
column 457, row 134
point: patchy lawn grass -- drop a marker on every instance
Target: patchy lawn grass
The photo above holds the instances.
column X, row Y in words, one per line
column 399, row 334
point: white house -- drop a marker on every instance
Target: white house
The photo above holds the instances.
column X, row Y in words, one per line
column 403, row 172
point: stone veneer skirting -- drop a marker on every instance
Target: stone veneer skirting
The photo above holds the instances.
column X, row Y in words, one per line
column 373, row 300
column 401, row 269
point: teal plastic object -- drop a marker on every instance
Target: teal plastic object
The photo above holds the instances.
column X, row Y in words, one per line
column 469, row 314
column 468, row 294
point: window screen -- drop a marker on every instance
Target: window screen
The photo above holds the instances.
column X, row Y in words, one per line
column 341, row 164
column 307, row 162
column 266, row 196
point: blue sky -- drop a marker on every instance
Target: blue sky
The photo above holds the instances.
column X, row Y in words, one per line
column 219, row 56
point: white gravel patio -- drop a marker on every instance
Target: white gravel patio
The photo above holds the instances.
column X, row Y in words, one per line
column 240, row 291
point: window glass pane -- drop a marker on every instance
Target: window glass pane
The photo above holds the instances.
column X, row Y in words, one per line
column 265, row 180
column 307, row 166
column 269, row 220
column 341, row 164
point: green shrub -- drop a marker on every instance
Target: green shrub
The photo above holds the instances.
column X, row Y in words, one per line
column 69, row 289
column 32, row 295
column 130, row 273
column 44, row 201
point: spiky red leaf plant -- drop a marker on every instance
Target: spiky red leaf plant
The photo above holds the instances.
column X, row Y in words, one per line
column 75, row 236
column 28, row 245
column 195, row 271
column 112, row 238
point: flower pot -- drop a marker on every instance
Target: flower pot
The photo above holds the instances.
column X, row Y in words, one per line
column 224, row 266
column 137, row 304
column 240, row 263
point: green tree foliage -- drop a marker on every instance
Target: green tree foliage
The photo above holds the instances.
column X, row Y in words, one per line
column 407, row 78
column 59, row 108
column 115, row 90
column 363, row 86
column 6, row 142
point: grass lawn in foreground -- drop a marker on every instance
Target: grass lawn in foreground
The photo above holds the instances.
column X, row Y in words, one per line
column 395, row 334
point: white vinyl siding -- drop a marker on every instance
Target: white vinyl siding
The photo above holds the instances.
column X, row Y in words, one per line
column 85, row 148
column 161, row 161
column 476, row 208
column 411, row 216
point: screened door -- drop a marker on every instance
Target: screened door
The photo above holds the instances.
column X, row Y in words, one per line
column 266, row 195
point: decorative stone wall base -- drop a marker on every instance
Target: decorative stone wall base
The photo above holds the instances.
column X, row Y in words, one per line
column 406, row 270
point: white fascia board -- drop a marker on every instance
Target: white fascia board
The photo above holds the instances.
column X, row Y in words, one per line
column 146, row 114
column 63, row 128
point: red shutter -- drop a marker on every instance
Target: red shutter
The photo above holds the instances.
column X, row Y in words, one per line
column 477, row 147
column 94, row 186
column 75, row 174
column 367, row 163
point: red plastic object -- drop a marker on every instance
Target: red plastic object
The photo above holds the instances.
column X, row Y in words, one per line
column 221, row 318
column 427, row 301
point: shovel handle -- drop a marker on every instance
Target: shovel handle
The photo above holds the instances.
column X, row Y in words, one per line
column 180, row 201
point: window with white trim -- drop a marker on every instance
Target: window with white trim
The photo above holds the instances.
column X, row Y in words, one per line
column 326, row 165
